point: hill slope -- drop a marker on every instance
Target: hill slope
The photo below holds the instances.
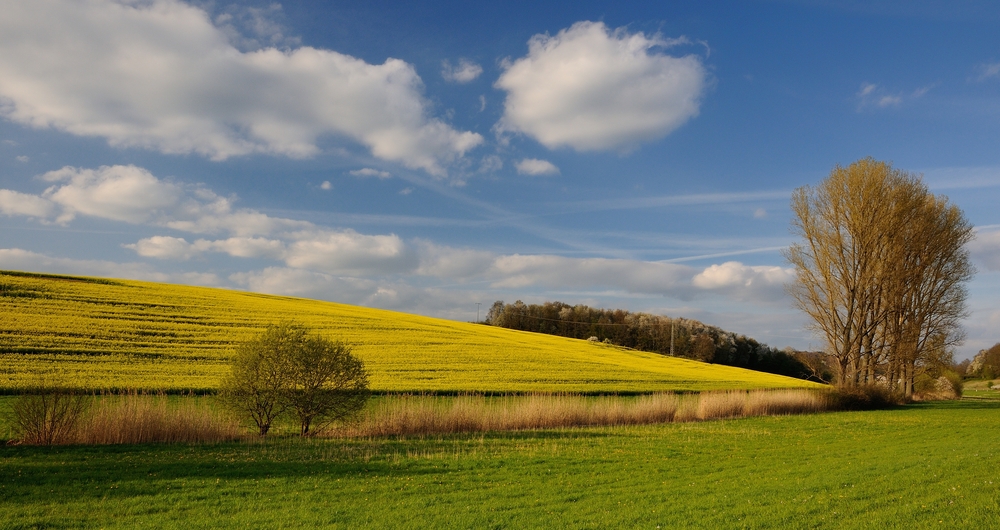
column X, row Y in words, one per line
column 98, row 333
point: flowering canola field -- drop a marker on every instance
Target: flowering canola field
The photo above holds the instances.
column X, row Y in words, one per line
column 95, row 333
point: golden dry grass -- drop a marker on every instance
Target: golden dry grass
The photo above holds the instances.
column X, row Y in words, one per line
column 136, row 418
column 131, row 418
column 424, row 415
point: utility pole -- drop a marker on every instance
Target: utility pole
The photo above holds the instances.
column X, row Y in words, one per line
column 671, row 337
column 477, row 311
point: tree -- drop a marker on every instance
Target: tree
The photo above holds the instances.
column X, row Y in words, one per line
column 326, row 382
column 881, row 270
column 986, row 364
column 286, row 368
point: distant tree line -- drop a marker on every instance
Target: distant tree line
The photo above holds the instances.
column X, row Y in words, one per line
column 681, row 337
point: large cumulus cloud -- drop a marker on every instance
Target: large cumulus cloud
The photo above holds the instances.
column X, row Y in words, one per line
column 592, row 88
column 158, row 74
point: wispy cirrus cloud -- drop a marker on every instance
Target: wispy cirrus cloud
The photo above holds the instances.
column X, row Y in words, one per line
column 873, row 95
column 988, row 71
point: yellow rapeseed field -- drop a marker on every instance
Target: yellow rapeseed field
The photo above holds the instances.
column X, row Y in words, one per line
column 92, row 333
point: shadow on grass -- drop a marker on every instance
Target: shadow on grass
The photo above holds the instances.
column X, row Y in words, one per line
column 87, row 472
column 968, row 403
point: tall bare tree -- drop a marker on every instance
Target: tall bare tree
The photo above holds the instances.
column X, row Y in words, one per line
column 881, row 270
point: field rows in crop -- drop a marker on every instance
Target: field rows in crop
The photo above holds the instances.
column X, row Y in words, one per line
column 96, row 334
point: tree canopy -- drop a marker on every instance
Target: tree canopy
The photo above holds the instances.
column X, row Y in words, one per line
column 289, row 369
column 881, row 270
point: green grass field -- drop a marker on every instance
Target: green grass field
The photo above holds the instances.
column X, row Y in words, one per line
column 94, row 333
column 919, row 466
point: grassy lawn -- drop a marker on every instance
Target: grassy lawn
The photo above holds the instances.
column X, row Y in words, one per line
column 924, row 465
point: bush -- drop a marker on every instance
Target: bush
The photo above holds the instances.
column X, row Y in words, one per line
column 956, row 381
column 48, row 417
column 867, row 397
column 287, row 368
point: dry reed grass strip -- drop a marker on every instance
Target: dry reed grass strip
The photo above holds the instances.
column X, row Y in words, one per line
column 425, row 415
column 139, row 418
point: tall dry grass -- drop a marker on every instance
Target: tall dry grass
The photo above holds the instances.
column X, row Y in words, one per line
column 140, row 418
column 135, row 418
column 422, row 415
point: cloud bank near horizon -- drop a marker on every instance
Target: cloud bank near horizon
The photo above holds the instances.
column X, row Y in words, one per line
column 201, row 223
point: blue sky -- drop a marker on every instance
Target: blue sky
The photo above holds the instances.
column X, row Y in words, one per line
column 426, row 157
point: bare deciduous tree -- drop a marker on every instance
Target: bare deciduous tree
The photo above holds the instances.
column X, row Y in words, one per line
column 881, row 270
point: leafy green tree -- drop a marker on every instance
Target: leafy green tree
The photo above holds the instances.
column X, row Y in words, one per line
column 257, row 379
column 326, row 382
column 288, row 369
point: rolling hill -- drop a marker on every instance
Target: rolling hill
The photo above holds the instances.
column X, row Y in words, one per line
column 96, row 333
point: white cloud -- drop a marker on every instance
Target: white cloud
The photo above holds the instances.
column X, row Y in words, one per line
column 453, row 263
column 534, row 166
column 162, row 247
column 889, row 101
column 15, row 203
column 490, row 164
column 463, row 72
column 26, row 260
column 134, row 195
column 157, row 74
column 989, row 70
column 556, row 272
column 759, row 213
column 872, row 94
column 23, row 158
column 326, row 185
column 369, row 172
column 245, row 247
column 744, row 281
column 298, row 282
column 252, row 28
column 177, row 248
column 397, row 295
column 985, row 248
column 591, row 88
column 122, row 193
column 351, row 253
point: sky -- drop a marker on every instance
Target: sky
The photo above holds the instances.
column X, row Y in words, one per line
column 433, row 157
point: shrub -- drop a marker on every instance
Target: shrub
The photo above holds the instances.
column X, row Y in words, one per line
column 287, row 368
column 47, row 417
column 867, row 397
column 956, row 381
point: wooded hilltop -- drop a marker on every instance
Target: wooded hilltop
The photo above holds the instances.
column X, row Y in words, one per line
column 681, row 337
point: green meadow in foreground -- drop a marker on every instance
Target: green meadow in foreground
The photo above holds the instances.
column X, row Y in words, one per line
column 922, row 465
